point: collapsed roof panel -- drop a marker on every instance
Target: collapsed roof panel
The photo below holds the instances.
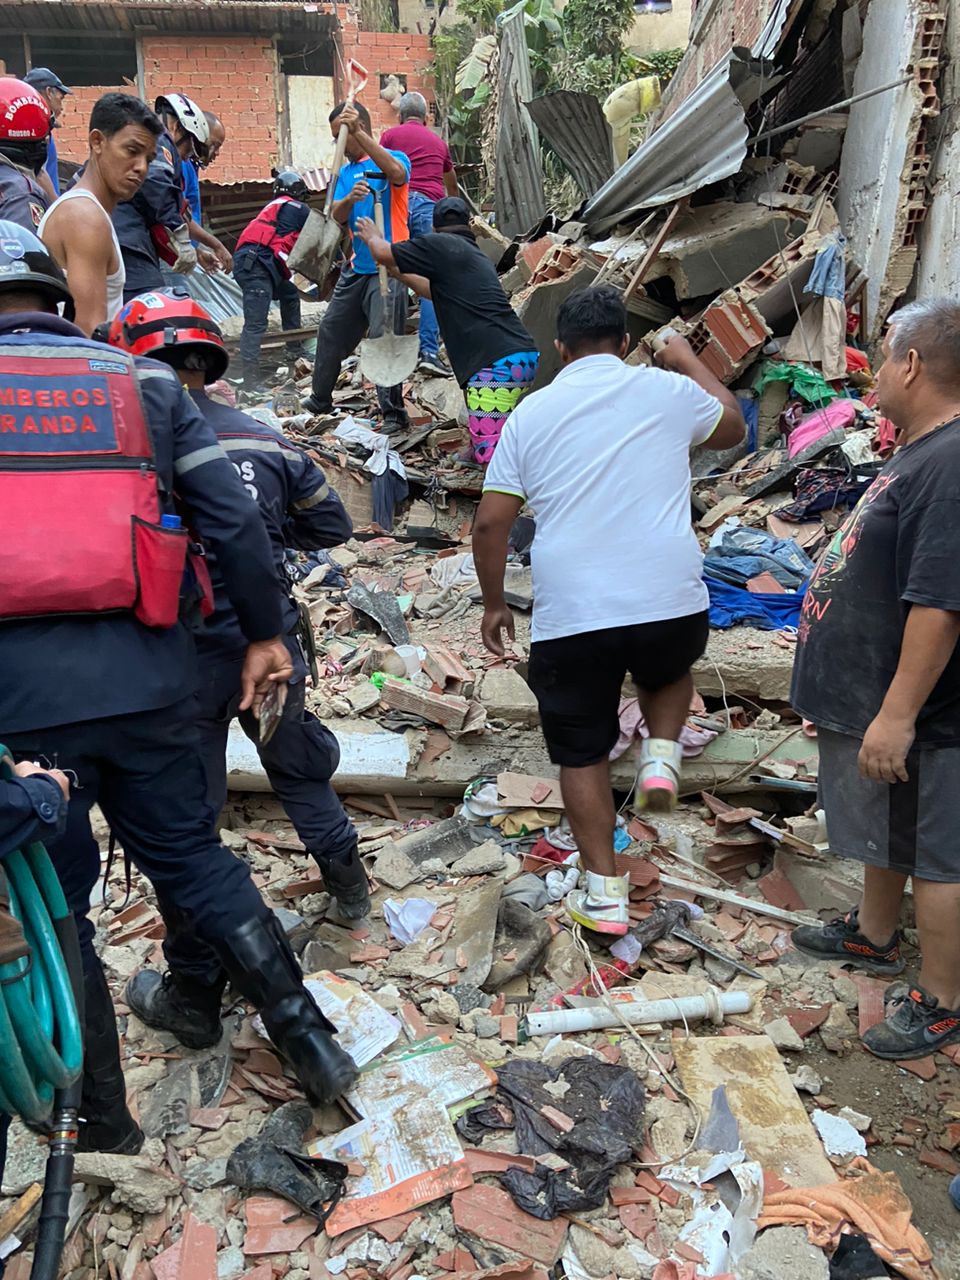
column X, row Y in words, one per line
column 704, row 141
column 576, row 128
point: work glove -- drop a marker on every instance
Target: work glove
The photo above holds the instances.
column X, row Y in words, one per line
column 186, row 258
column 13, row 945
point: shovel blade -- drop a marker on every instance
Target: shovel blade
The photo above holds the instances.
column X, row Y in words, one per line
column 389, row 360
column 316, row 247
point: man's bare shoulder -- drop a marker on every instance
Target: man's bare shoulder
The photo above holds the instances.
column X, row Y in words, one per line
column 79, row 224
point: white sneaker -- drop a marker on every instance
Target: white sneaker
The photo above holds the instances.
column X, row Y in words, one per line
column 601, row 905
column 659, row 779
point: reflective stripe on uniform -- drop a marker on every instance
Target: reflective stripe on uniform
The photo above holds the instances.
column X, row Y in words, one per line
column 314, row 500
column 253, row 444
column 198, row 458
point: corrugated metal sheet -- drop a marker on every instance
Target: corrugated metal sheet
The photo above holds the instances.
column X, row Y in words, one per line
column 518, row 187
column 218, row 294
column 769, row 39
column 576, row 128
column 196, row 17
column 704, row 141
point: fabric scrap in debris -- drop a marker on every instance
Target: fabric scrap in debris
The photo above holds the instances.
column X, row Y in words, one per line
column 873, row 1204
column 730, row 605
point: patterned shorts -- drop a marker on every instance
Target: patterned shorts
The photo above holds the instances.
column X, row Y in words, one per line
column 492, row 395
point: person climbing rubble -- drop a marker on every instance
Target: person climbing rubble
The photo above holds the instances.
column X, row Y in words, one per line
column 884, row 608
column 494, row 358
column 601, row 456
column 108, row 604
column 299, row 509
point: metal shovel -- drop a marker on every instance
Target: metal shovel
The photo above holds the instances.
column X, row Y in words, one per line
column 316, row 246
column 387, row 360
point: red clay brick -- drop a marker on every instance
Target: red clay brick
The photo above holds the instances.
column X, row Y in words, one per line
column 491, row 1214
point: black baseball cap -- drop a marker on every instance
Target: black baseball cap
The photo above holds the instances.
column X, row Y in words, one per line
column 44, row 78
column 451, row 211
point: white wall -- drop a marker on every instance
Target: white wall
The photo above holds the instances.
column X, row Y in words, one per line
column 653, row 32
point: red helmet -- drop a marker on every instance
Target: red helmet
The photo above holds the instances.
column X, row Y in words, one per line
column 24, row 116
column 154, row 324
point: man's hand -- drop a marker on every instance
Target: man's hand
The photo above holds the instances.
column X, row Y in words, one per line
column 350, row 116
column 224, row 257
column 359, row 191
column 267, row 662
column 676, row 354
column 29, row 769
column 495, row 622
column 366, row 228
column 208, row 260
column 883, row 756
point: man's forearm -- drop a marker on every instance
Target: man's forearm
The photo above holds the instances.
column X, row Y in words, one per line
column 381, row 251
column 204, row 237
column 490, row 561
column 693, row 368
column 929, row 639
column 341, row 209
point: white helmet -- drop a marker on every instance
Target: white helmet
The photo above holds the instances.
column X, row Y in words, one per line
column 190, row 116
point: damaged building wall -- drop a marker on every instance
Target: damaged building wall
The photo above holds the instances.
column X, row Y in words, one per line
column 883, row 170
column 938, row 267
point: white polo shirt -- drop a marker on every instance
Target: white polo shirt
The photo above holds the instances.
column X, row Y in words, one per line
column 602, row 457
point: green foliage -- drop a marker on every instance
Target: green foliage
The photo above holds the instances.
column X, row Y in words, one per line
column 482, row 13
column 664, row 63
column 596, row 28
column 473, row 68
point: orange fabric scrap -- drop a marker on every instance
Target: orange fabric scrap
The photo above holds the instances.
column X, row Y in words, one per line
column 870, row 1203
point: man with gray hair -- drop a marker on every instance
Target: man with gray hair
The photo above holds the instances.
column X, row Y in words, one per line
column 432, row 176
column 878, row 673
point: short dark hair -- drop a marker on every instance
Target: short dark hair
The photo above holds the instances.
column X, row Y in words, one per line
column 592, row 318
column 114, row 111
column 361, row 111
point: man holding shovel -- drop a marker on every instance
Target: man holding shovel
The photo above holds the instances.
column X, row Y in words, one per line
column 356, row 307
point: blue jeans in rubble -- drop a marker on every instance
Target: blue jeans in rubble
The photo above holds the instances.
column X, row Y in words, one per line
column 420, row 220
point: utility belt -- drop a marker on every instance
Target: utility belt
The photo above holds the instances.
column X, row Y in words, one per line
column 80, row 488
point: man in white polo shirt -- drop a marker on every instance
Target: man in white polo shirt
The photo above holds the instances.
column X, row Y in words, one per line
column 602, row 458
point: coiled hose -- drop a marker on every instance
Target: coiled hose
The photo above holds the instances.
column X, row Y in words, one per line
column 41, row 1038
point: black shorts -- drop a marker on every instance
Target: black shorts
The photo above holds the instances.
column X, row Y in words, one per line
column 577, row 680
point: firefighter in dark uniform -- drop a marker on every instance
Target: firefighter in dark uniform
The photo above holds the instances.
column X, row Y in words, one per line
column 153, row 225
column 299, row 510
column 25, row 123
column 260, row 269
column 99, row 673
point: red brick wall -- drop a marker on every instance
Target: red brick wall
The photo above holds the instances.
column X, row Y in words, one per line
column 74, row 123
column 233, row 76
column 731, row 22
column 389, row 53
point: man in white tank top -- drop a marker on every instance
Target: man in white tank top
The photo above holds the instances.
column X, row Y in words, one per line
column 77, row 228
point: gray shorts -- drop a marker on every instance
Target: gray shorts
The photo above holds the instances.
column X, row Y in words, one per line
column 912, row 827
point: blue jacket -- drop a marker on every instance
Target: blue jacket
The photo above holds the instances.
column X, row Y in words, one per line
column 30, row 809
column 53, row 163
column 65, row 670
column 298, row 507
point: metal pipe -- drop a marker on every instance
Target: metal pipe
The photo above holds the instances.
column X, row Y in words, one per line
column 712, row 1004
column 825, row 111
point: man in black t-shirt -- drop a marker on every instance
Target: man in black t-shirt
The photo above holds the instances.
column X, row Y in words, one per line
column 493, row 356
column 878, row 673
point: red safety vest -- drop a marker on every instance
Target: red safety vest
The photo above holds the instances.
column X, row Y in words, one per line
column 78, row 481
column 263, row 231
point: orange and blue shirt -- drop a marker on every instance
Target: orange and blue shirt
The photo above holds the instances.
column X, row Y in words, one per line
column 394, row 207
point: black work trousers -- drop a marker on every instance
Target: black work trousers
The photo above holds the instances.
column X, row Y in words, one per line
column 356, row 310
column 261, row 285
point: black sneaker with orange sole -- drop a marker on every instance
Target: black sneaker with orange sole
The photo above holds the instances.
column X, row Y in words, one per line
column 841, row 939
column 914, row 1027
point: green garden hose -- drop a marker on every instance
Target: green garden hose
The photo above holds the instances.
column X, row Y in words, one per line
column 41, row 1039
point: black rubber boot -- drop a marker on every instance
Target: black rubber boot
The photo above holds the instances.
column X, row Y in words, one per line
column 172, row 1002
column 263, row 968
column 347, row 881
column 105, row 1123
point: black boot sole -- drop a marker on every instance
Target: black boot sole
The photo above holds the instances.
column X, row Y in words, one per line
column 884, row 968
column 188, row 1039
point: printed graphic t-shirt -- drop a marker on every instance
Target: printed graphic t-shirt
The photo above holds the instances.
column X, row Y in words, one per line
column 900, row 546
column 394, row 203
column 602, row 456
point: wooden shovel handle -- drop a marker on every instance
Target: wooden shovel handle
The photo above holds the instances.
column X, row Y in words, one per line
column 356, row 81
column 381, row 269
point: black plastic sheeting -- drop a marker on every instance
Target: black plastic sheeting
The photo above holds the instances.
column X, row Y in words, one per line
column 606, row 1104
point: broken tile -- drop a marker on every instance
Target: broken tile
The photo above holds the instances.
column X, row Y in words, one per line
column 925, row 1068
column 491, row 1215
column 272, row 1227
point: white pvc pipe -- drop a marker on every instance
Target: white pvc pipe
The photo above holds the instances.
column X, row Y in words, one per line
column 712, row 1004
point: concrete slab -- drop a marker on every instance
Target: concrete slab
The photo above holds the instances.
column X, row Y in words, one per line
column 774, row 1126
column 506, row 696
column 745, row 662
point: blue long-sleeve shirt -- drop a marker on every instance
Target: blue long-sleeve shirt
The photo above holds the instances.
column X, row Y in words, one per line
column 31, row 808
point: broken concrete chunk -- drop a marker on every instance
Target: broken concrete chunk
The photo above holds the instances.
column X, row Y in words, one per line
column 783, row 1035
column 806, row 1080
column 482, row 860
column 507, row 696
column 135, row 1181
column 394, row 869
column 859, row 1121
column 784, row 1251
column 839, row 1137
column 448, row 840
